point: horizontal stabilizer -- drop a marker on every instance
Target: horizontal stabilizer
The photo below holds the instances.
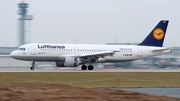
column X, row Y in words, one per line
column 162, row 50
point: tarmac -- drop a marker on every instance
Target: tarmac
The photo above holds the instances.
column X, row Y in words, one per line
column 79, row 70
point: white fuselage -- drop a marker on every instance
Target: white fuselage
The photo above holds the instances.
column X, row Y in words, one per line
column 57, row 52
column 73, row 55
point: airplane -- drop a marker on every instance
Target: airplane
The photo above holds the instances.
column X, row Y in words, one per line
column 73, row 55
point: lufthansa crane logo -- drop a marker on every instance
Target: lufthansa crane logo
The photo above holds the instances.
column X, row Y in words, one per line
column 158, row 33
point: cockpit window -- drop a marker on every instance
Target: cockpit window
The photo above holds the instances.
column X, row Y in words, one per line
column 23, row 49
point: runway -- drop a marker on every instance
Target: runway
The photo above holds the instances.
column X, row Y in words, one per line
column 79, row 70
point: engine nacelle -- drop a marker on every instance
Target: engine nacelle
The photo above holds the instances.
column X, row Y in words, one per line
column 59, row 64
column 71, row 61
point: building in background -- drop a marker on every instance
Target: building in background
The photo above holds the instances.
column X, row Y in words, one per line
column 22, row 24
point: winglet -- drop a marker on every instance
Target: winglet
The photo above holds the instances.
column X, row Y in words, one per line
column 157, row 35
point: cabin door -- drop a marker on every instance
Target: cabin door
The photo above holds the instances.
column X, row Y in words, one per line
column 33, row 49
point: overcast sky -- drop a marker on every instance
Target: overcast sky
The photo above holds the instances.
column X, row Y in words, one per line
column 90, row 21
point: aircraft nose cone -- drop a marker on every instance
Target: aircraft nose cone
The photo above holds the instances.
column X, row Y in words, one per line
column 16, row 55
column 13, row 54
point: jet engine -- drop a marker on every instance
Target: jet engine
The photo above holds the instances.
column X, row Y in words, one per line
column 72, row 61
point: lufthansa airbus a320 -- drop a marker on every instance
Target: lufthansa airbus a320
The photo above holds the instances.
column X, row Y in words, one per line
column 73, row 55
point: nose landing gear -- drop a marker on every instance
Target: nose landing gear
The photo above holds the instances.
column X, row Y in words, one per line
column 32, row 67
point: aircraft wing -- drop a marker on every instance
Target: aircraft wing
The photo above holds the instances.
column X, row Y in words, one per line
column 99, row 54
column 92, row 57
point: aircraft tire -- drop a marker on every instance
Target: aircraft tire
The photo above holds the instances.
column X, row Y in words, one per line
column 32, row 68
column 83, row 67
column 90, row 67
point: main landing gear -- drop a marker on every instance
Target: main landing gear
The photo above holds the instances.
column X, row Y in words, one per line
column 84, row 67
column 32, row 67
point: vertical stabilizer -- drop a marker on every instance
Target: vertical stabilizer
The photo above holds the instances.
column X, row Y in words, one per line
column 157, row 35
